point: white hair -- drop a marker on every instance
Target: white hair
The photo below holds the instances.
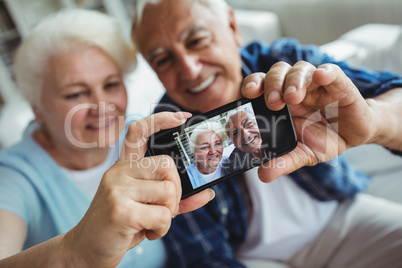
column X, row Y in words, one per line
column 63, row 32
column 247, row 109
column 206, row 127
column 219, row 7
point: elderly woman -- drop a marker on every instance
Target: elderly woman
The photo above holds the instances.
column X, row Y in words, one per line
column 52, row 211
column 206, row 143
column 242, row 129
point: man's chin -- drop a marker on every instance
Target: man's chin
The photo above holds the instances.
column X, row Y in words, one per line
column 248, row 149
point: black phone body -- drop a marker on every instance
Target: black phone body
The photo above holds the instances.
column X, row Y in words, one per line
column 273, row 132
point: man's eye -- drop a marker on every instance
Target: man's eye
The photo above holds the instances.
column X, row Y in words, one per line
column 194, row 42
column 198, row 43
column 249, row 124
column 162, row 61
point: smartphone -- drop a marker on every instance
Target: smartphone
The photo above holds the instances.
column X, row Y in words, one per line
column 212, row 147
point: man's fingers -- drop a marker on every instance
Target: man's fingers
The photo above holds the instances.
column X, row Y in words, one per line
column 253, row 85
column 298, row 80
column 196, row 201
column 282, row 165
column 135, row 142
column 336, row 83
column 273, row 86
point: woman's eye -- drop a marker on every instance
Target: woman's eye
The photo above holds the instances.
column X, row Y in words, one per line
column 77, row 95
column 112, row 85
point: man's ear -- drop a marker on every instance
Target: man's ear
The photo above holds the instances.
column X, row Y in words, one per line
column 236, row 30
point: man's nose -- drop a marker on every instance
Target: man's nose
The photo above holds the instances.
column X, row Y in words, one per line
column 189, row 66
column 245, row 133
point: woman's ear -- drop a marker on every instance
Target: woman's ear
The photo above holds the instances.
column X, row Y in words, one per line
column 235, row 28
column 38, row 114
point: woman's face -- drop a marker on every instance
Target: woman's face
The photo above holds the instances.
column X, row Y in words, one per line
column 208, row 152
column 84, row 99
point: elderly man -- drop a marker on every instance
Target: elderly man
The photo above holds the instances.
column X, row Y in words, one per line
column 313, row 217
column 242, row 129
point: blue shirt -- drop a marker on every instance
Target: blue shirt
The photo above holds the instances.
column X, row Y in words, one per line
column 209, row 236
column 197, row 179
column 33, row 187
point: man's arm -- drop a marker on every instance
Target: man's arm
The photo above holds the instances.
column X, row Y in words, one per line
column 329, row 113
column 387, row 109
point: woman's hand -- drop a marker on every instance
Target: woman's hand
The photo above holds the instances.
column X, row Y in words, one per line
column 328, row 112
column 136, row 199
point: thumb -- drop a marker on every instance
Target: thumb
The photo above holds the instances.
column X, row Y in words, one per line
column 138, row 133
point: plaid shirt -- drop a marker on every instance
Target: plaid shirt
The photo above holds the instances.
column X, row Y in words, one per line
column 209, row 236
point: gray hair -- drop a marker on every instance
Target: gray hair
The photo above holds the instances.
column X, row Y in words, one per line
column 219, row 7
column 63, row 32
column 206, row 127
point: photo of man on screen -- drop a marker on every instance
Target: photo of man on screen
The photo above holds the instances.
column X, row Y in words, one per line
column 242, row 129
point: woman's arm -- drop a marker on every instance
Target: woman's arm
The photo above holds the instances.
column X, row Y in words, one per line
column 134, row 201
column 13, row 231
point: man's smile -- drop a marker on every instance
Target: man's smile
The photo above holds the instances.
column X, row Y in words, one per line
column 201, row 87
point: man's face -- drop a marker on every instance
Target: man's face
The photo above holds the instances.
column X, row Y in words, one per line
column 243, row 131
column 194, row 54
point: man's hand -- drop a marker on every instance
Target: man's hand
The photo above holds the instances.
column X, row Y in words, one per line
column 328, row 112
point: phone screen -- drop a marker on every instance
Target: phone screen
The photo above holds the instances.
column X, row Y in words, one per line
column 229, row 140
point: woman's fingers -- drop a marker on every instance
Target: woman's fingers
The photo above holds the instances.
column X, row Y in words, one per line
column 154, row 219
column 152, row 180
column 138, row 133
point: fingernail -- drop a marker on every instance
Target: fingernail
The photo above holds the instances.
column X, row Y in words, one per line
column 211, row 194
column 182, row 115
column 176, row 211
column 290, row 89
column 324, row 67
column 274, row 96
column 250, row 84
